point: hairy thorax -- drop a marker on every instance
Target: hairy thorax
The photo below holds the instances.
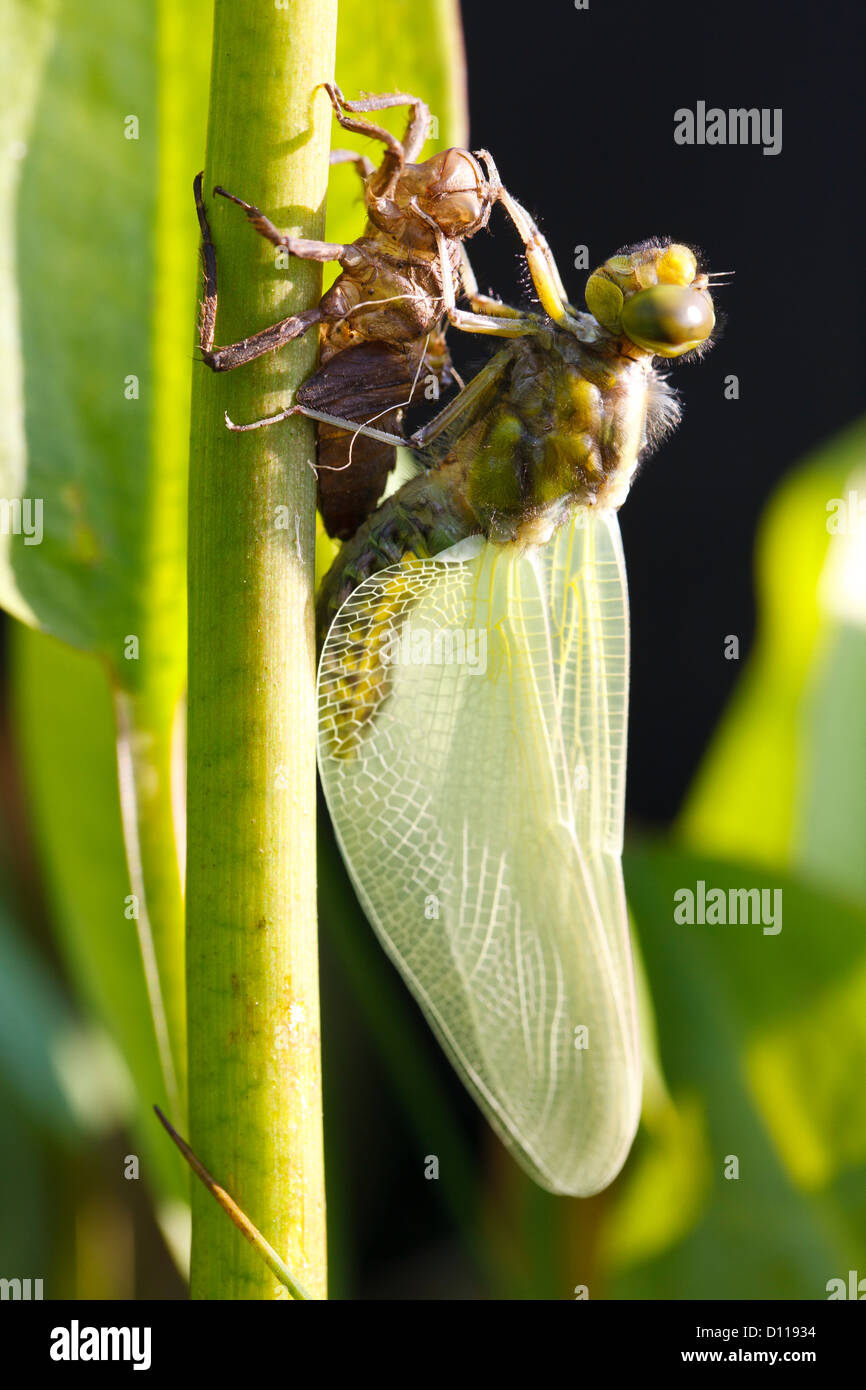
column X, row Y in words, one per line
column 567, row 431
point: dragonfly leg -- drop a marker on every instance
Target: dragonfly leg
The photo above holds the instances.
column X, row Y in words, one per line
column 301, row 247
column 455, row 417
column 482, row 303
column 417, row 129
column 351, row 426
column 513, row 325
column 362, row 162
column 509, row 323
column 224, row 359
column 485, row 304
column 207, row 313
column 542, row 266
column 466, row 407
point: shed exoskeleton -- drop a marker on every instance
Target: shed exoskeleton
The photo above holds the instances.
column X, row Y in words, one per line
column 382, row 322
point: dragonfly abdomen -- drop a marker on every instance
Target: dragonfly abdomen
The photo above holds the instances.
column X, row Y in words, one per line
column 421, row 519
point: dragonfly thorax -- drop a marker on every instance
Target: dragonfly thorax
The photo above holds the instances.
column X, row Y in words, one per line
column 566, row 432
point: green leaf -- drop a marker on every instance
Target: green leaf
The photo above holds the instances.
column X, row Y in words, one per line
column 763, row 1045
column 63, row 719
column 103, row 227
column 61, row 1075
column 830, row 832
column 28, row 33
column 28, row 1243
column 743, row 801
column 105, row 237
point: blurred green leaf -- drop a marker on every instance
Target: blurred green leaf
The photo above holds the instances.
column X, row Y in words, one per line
column 105, row 238
column 830, row 834
column 763, row 1045
column 59, row 1073
column 27, row 1244
column 63, row 716
column 782, row 786
column 747, row 796
column 28, row 31
column 830, row 843
column 105, row 320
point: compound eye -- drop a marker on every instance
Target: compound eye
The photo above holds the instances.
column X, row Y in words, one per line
column 668, row 319
column 604, row 301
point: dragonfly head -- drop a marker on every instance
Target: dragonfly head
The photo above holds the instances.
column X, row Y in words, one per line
column 450, row 192
column 654, row 296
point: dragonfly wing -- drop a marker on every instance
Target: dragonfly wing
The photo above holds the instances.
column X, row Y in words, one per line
column 472, row 717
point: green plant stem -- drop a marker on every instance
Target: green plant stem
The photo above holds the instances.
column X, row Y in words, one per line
column 252, row 970
column 228, row 1204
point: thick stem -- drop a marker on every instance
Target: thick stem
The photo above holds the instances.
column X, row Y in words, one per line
column 252, row 975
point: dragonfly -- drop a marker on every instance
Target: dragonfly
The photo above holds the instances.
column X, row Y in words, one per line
column 382, row 341
column 473, row 701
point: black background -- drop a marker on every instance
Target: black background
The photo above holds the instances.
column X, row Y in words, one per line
column 577, row 108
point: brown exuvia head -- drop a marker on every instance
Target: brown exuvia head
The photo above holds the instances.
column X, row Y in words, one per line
column 449, row 193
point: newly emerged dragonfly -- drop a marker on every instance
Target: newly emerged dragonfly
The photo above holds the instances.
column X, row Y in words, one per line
column 381, row 322
column 473, row 689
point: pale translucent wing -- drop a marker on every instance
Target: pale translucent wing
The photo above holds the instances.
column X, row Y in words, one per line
column 472, row 720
